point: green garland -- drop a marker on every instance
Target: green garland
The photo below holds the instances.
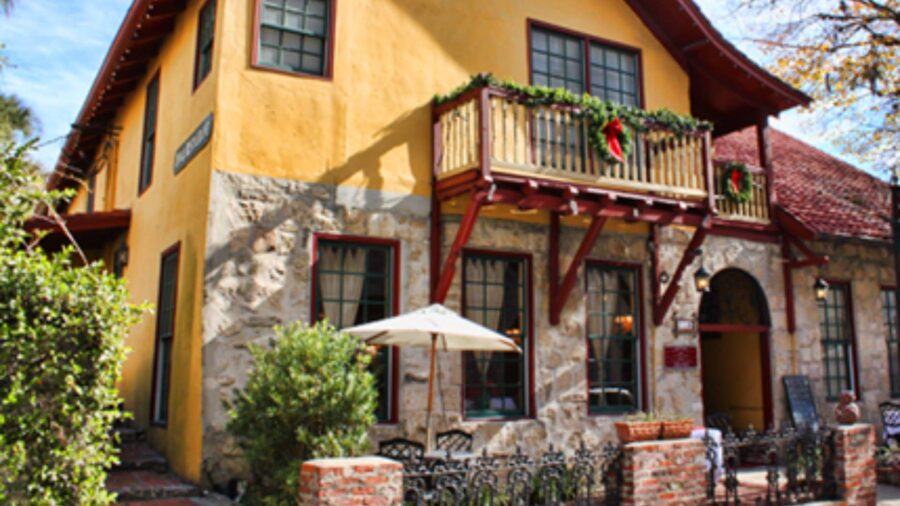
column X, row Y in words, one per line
column 598, row 112
column 745, row 192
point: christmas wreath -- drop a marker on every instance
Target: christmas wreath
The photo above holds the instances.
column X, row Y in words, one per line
column 737, row 182
column 610, row 126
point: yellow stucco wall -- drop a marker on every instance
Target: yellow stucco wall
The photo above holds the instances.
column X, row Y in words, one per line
column 371, row 125
column 172, row 210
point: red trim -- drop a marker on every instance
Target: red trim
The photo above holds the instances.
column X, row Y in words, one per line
column 588, row 39
column 395, row 297
column 197, row 82
column 462, row 237
column 661, row 306
column 732, row 327
column 638, row 268
column 745, row 231
column 526, row 258
column 175, row 249
column 857, row 388
column 584, row 249
column 82, row 222
column 331, row 41
column 154, row 79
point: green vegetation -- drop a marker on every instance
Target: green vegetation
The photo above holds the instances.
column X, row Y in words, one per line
column 310, row 395
column 62, row 331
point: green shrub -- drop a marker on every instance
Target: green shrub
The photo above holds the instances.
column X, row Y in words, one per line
column 310, row 395
column 62, row 332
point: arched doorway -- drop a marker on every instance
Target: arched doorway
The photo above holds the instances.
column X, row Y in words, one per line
column 734, row 348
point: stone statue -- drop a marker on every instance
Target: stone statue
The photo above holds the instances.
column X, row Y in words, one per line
column 847, row 411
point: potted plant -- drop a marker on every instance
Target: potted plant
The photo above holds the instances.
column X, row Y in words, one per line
column 676, row 426
column 638, row 427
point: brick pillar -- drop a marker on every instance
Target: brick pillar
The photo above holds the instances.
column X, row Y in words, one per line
column 855, row 464
column 369, row 481
column 664, row 473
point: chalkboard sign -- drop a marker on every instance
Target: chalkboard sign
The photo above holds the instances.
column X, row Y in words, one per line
column 801, row 404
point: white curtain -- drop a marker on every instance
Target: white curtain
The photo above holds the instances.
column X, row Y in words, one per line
column 596, row 324
column 493, row 276
column 341, row 292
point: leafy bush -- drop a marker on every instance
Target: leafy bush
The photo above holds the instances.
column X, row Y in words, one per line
column 61, row 351
column 310, row 395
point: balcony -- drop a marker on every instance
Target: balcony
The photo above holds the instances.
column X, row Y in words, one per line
column 492, row 135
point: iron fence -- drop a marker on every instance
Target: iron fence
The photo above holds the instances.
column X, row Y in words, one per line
column 586, row 478
column 771, row 468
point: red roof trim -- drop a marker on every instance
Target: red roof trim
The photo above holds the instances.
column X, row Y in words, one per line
column 83, row 222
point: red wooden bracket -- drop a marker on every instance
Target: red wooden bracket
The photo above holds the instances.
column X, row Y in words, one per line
column 810, row 259
column 662, row 305
column 462, row 237
column 561, row 293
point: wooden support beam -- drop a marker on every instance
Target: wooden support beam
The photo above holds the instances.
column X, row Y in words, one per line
column 568, row 283
column 462, row 237
column 810, row 259
column 661, row 306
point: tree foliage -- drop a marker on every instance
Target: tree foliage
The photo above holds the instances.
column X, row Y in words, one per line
column 844, row 53
column 62, row 332
column 310, row 395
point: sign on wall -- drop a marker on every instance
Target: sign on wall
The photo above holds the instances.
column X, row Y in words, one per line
column 680, row 357
column 194, row 144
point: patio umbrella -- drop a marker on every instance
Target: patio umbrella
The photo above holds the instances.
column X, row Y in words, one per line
column 434, row 327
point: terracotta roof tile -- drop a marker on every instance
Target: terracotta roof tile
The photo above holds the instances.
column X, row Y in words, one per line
column 829, row 195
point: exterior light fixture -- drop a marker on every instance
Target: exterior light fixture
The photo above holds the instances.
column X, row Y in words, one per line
column 821, row 288
column 702, row 279
column 120, row 260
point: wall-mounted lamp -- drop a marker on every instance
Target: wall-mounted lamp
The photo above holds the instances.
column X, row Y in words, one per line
column 821, row 288
column 120, row 260
column 702, row 279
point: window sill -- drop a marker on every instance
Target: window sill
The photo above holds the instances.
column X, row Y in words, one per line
column 293, row 73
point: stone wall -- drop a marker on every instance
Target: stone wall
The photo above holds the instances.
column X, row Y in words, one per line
column 258, row 266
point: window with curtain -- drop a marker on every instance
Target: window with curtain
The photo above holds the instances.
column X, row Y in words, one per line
column 354, row 285
column 837, row 340
column 495, row 291
column 206, row 31
column 889, row 308
column 294, row 35
column 613, row 302
column 165, row 334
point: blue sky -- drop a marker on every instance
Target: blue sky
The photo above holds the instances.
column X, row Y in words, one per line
column 56, row 47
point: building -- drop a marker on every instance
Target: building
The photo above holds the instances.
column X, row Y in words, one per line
column 250, row 163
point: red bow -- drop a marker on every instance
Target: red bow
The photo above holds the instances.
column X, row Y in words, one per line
column 735, row 181
column 613, row 130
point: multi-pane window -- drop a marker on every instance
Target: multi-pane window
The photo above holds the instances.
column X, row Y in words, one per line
column 165, row 333
column 354, row 285
column 557, row 60
column 495, row 289
column 151, row 107
column 293, row 35
column 837, row 340
column 889, row 308
column 614, row 354
column 206, row 31
column 614, row 75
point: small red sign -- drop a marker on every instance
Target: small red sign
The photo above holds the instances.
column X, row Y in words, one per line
column 680, row 356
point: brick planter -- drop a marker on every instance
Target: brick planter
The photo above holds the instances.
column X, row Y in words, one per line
column 370, row 481
column 664, row 473
column 855, row 464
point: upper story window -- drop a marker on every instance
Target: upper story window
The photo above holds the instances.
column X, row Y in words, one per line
column 206, row 32
column 355, row 285
column 495, row 288
column 294, row 35
column 836, row 328
column 582, row 64
column 151, row 107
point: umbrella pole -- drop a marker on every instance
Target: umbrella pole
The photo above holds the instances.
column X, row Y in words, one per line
column 428, row 428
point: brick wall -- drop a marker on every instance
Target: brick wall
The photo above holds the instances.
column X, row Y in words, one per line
column 366, row 481
column 855, row 464
column 664, row 473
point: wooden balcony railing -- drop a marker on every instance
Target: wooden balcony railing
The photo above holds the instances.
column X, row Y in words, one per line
column 754, row 210
column 494, row 131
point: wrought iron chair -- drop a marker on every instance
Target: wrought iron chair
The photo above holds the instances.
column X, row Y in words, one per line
column 890, row 418
column 720, row 421
column 407, row 452
column 454, row 441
